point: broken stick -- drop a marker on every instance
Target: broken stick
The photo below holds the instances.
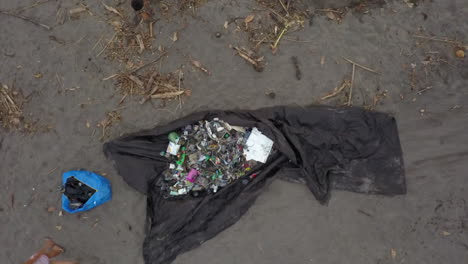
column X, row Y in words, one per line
column 361, row 66
column 151, row 80
column 167, row 95
column 107, row 45
column 180, row 77
column 337, row 90
column 439, row 39
column 351, row 86
column 256, row 62
column 137, row 81
column 151, row 62
column 140, row 43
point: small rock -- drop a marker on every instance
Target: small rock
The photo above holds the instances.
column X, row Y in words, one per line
column 460, row 53
column 218, row 35
column 38, row 75
column 9, row 53
column 424, row 16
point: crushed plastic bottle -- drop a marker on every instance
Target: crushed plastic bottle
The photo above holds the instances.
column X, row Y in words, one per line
column 173, row 137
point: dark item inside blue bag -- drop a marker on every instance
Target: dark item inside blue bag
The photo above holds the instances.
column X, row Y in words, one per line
column 77, row 192
column 84, row 190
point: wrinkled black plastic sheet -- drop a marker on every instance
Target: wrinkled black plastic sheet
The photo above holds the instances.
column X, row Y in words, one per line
column 324, row 147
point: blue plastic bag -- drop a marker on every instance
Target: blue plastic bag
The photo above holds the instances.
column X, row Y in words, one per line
column 102, row 186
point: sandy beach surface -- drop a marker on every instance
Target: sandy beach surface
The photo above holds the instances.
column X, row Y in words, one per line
column 420, row 81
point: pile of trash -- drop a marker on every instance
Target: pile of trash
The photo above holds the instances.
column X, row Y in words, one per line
column 208, row 155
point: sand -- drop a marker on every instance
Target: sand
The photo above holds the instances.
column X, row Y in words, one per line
column 286, row 224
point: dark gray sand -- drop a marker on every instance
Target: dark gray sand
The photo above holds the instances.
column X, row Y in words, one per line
column 286, row 224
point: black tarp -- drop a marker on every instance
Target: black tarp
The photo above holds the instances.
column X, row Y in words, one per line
column 324, row 147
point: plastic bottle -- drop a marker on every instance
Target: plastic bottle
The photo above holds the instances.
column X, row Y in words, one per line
column 182, row 157
column 192, row 175
column 173, row 137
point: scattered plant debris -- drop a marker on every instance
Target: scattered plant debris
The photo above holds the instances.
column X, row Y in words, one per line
column 337, row 90
column 252, row 58
column 200, row 66
column 271, row 25
column 112, row 117
column 11, row 112
column 151, row 84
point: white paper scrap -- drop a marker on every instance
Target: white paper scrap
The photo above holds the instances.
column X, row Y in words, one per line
column 173, row 148
column 258, row 146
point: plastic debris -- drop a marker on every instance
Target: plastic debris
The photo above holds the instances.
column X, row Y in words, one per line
column 173, row 137
column 192, row 175
column 208, row 155
column 173, row 148
column 258, row 146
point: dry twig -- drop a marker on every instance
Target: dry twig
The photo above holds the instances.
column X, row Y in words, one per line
column 284, row 7
column 361, row 66
column 257, row 62
column 140, row 43
column 110, row 77
column 329, row 10
column 337, row 90
column 111, row 117
column 180, row 74
column 351, row 86
column 441, row 40
column 11, row 111
column 151, row 62
column 112, row 10
column 108, row 43
column 200, row 66
column 167, row 95
column 151, row 80
column 136, row 80
column 77, row 10
column 423, row 90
